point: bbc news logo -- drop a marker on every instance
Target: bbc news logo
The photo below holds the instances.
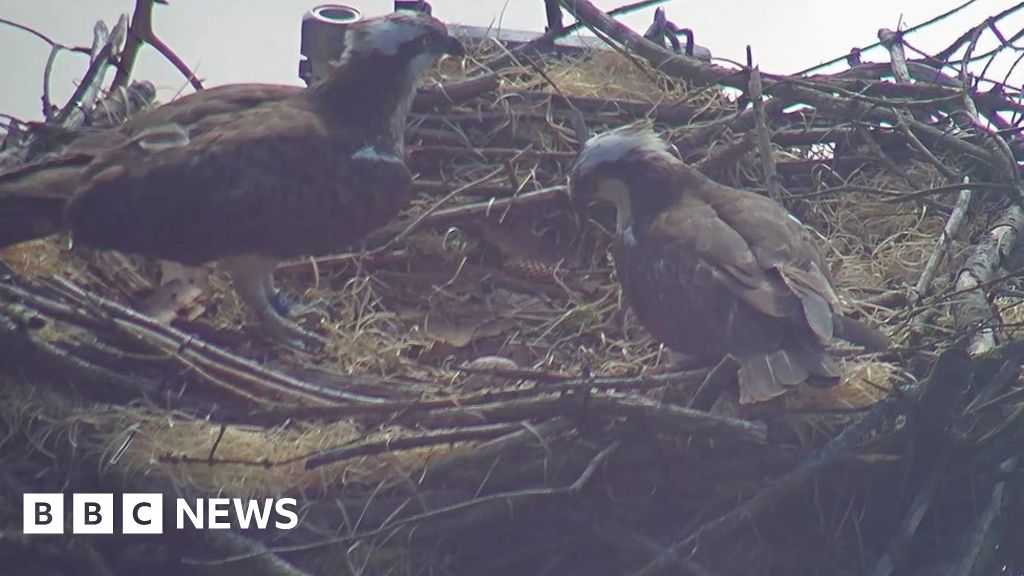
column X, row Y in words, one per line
column 144, row 513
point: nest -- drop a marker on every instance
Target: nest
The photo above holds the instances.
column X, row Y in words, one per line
column 486, row 403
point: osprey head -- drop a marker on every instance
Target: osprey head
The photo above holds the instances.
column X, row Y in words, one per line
column 410, row 37
column 616, row 165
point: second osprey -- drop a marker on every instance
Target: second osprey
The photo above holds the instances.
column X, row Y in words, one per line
column 713, row 271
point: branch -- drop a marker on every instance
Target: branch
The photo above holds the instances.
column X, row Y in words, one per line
column 238, row 376
column 141, row 32
column 764, row 137
column 408, row 441
column 672, row 64
column 893, row 43
column 951, row 230
column 754, row 507
column 547, row 40
column 53, row 43
column 983, row 530
column 972, row 313
column 72, row 115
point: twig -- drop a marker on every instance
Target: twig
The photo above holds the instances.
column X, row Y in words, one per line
column 408, row 441
column 983, row 529
column 899, row 544
column 724, row 156
column 434, row 472
column 266, row 562
column 431, row 97
column 622, row 538
column 386, row 236
column 43, row 37
column 517, row 373
column 418, row 221
column 915, row 142
column 47, row 72
column 764, row 137
column 674, row 420
column 950, row 231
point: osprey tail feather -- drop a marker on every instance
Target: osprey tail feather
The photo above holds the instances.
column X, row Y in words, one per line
column 32, row 201
column 762, row 378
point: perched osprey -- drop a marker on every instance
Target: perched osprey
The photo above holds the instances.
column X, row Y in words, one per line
column 245, row 175
column 713, row 271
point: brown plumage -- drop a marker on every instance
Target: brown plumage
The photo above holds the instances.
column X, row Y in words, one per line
column 245, row 175
column 712, row 270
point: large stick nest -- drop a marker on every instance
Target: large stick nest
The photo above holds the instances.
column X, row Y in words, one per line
column 486, row 403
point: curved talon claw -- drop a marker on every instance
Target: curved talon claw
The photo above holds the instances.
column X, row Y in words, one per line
column 281, row 303
column 254, row 282
column 285, row 306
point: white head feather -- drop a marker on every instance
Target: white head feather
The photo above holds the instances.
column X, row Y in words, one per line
column 387, row 35
column 634, row 140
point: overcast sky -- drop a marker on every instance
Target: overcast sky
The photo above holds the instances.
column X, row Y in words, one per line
column 229, row 41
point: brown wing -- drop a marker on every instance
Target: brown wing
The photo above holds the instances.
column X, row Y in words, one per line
column 270, row 179
column 784, row 248
column 696, row 280
column 200, row 112
column 701, row 286
column 780, row 242
column 32, row 197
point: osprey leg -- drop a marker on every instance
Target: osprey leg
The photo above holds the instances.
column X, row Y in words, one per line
column 273, row 294
column 253, row 280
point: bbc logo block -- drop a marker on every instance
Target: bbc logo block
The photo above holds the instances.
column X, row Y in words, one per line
column 43, row 514
column 92, row 513
column 142, row 514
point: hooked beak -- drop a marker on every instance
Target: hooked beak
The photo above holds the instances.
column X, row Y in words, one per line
column 453, row 47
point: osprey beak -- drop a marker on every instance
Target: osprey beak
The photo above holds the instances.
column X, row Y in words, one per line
column 453, row 47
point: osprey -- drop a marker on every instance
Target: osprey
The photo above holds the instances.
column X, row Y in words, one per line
column 713, row 271
column 244, row 175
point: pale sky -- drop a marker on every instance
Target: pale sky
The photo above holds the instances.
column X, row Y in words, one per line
column 227, row 41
